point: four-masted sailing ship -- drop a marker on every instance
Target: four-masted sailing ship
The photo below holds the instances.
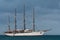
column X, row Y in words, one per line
column 23, row 32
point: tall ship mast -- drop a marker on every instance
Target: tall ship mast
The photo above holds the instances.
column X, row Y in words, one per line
column 9, row 23
column 33, row 20
column 24, row 18
column 15, row 21
column 24, row 32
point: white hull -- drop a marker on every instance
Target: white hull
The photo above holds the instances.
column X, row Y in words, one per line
column 25, row 34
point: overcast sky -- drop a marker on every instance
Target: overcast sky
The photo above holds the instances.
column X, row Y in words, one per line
column 47, row 14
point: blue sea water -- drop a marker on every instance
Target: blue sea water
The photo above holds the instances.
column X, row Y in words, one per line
column 44, row 37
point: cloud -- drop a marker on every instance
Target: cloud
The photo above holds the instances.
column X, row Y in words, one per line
column 47, row 14
column 42, row 21
column 6, row 5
